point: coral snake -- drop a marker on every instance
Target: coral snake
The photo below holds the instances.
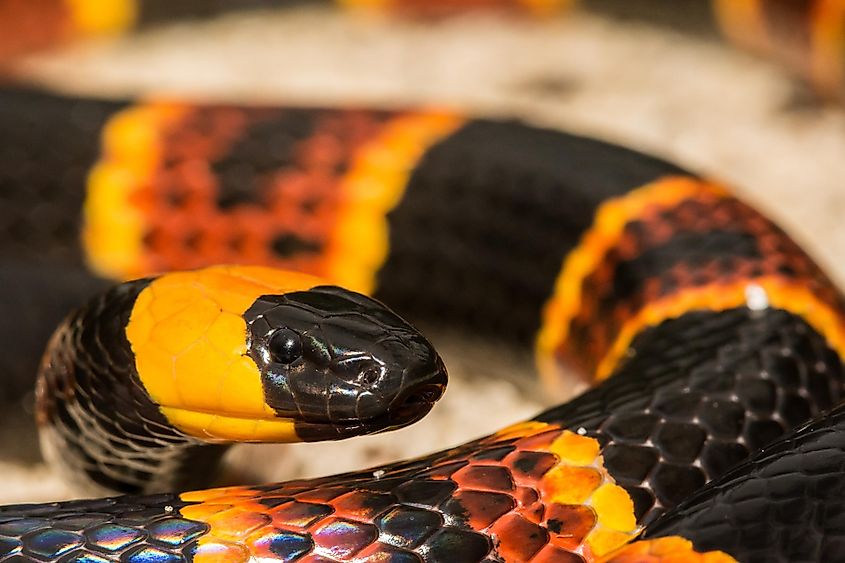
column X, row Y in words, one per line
column 714, row 430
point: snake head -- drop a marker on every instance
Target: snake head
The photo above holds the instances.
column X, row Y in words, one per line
column 340, row 363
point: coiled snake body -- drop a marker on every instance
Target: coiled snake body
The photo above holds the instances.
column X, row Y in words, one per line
column 712, row 433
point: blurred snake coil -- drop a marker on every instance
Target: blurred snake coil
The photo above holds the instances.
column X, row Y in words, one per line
column 715, row 428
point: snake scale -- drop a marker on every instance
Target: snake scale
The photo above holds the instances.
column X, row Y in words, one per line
column 714, row 430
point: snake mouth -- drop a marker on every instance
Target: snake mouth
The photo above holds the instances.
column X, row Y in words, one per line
column 407, row 408
column 416, row 404
column 418, row 399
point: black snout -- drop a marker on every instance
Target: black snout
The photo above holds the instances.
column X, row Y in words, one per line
column 420, row 397
column 341, row 364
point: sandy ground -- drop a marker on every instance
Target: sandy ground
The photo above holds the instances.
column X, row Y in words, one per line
column 696, row 102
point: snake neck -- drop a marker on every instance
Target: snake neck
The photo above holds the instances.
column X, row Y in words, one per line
column 105, row 435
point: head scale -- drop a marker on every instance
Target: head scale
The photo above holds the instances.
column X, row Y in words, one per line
column 340, row 363
column 247, row 353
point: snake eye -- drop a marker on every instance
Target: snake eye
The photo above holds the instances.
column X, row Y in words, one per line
column 285, row 346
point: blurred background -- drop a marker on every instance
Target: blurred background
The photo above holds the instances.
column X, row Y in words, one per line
column 687, row 97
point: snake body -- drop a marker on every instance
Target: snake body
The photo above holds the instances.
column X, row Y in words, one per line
column 712, row 338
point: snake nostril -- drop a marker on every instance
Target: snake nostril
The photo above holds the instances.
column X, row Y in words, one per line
column 370, row 375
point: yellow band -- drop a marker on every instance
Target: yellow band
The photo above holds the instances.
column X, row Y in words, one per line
column 580, row 478
column 608, row 226
column 828, row 46
column 372, row 187
column 790, row 296
column 672, row 549
column 190, row 343
column 101, row 17
column 742, row 22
